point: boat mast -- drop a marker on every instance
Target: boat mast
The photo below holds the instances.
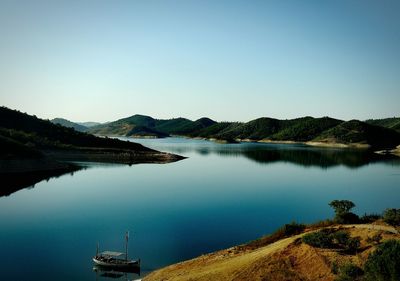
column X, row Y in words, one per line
column 126, row 245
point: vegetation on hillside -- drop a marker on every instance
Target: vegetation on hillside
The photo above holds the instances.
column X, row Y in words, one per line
column 355, row 131
column 391, row 123
column 21, row 129
column 322, row 251
column 69, row 124
column 306, row 129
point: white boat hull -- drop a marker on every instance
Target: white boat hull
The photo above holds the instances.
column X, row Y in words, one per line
column 119, row 264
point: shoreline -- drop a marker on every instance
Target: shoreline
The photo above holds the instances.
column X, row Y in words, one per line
column 357, row 146
column 55, row 159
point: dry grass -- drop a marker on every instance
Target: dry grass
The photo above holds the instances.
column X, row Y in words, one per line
column 285, row 260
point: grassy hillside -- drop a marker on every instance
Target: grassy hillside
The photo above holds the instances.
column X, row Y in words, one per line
column 324, row 130
column 391, row 123
column 89, row 124
column 324, row 251
column 175, row 126
column 26, row 136
column 38, row 133
column 358, row 132
column 69, row 124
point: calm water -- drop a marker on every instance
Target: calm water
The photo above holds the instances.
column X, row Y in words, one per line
column 220, row 196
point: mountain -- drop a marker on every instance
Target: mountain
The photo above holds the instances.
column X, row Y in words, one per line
column 26, row 136
column 391, row 123
column 317, row 131
column 156, row 127
column 69, row 124
column 300, row 129
column 88, row 124
column 358, row 132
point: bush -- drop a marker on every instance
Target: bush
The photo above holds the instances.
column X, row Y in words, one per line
column 392, row 217
column 376, row 239
column 353, row 244
column 286, row 231
column 319, row 239
column 340, row 237
column 293, row 228
column 384, row 263
column 331, row 239
column 347, row 218
column 368, row 218
column 349, row 272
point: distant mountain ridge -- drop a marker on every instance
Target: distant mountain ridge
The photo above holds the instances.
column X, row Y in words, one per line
column 307, row 129
column 156, row 127
column 69, row 124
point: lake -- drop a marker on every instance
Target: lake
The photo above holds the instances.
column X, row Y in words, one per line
column 221, row 195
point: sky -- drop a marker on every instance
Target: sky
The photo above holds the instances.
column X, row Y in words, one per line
column 227, row 60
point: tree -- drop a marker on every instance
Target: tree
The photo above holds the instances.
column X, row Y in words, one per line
column 342, row 206
column 342, row 211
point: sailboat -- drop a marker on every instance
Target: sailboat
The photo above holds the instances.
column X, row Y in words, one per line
column 117, row 260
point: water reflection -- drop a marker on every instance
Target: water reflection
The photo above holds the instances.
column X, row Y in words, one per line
column 122, row 274
column 12, row 182
column 298, row 154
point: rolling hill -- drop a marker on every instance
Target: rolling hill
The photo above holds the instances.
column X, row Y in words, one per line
column 391, row 123
column 23, row 135
column 316, row 131
column 357, row 132
column 291, row 259
column 69, row 124
column 156, row 127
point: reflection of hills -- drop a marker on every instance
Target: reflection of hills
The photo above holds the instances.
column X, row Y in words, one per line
column 296, row 154
column 12, row 182
column 323, row 159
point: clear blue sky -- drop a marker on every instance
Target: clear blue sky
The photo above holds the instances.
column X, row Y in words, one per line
column 228, row 60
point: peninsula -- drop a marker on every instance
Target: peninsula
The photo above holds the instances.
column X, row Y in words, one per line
column 32, row 149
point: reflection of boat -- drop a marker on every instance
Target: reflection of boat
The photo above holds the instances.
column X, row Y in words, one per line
column 113, row 259
column 115, row 273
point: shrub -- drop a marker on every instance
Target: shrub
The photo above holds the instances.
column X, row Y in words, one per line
column 286, row 231
column 331, row 239
column 384, row 263
column 319, row 239
column 376, row 239
column 293, row 228
column 349, row 272
column 353, row 244
column 347, row 218
column 392, row 217
column 340, row 237
column 368, row 218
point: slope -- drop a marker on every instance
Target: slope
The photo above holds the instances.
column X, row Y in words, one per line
column 69, row 124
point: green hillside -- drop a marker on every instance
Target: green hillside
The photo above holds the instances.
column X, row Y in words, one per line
column 69, row 124
column 175, row 126
column 305, row 129
column 391, row 123
column 355, row 131
column 142, row 131
column 42, row 134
